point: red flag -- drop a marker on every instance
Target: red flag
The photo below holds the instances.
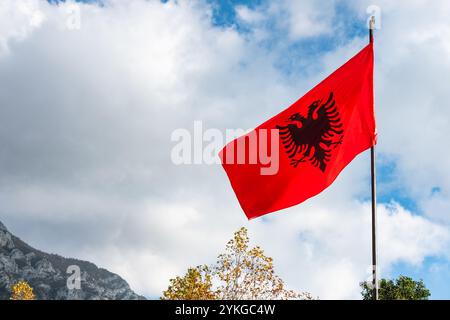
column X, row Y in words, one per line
column 313, row 141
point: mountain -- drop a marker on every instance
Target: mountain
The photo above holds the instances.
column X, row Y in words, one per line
column 47, row 274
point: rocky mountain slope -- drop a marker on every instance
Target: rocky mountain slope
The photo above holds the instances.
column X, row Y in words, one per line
column 48, row 274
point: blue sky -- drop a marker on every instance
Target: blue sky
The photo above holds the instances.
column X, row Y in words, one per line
column 236, row 69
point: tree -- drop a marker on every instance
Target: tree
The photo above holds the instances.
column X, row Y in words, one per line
column 246, row 273
column 195, row 285
column 240, row 273
column 403, row 288
column 22, row 291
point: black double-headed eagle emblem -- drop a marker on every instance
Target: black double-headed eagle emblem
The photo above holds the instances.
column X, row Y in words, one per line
column 313, row 138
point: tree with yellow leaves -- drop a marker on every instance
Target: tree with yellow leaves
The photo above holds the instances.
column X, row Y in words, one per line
column 22, row 291
column 241, row 273
column 195, row 285
column 247, row 274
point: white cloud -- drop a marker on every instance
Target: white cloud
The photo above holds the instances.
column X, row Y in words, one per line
column 325, row 246
column 19, row 18
column 308, row 18
column 85, row 131
column 405, row 237
column 248, row 15
column 296, row 19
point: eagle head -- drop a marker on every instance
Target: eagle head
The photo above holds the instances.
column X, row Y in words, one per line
column 296, row 117
column 315, row 105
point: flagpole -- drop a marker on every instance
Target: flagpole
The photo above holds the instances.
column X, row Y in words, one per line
column 374, row 196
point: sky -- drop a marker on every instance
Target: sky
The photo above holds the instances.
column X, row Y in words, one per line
column 91, row 92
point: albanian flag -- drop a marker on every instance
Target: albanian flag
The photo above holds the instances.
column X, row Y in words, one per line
column 312, row 141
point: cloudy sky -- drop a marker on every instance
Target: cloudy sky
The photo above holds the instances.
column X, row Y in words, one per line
column 90, row 94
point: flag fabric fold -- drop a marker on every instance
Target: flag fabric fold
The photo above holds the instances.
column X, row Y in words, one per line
column 312, row 141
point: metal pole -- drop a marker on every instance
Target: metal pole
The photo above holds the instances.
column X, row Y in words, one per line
column 374, row 197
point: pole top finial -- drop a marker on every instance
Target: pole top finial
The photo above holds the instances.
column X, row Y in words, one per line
column 372, row 23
